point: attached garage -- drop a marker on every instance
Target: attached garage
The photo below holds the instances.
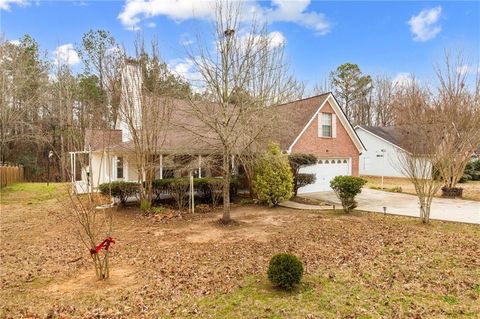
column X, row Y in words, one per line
column 325, row 170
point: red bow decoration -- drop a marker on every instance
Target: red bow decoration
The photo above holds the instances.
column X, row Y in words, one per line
column 104, row 244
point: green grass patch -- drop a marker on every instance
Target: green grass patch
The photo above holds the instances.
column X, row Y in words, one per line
column 31, row 193
column 337, row 295
column 450, row 299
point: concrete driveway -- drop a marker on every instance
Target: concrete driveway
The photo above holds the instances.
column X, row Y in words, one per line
column 456, row 210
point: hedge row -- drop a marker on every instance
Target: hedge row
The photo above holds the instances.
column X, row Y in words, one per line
column 472, row 172
column 176, row 187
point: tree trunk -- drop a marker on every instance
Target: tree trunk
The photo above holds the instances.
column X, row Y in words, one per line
column 226, row 187
column 425, row 205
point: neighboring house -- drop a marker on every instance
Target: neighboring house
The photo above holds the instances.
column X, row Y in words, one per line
column 384, row 148
column 314, row 125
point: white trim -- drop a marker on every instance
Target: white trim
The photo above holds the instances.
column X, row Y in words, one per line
column 346, row 124
column 161, row 166
column 334, row 125
column 381, row 138
column 199, row 166
column 125, row 167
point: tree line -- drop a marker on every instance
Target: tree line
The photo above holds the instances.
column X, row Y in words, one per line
column 45, row 106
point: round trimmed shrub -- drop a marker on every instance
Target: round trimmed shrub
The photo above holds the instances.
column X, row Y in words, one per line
column 346, row 188
column 285, row 271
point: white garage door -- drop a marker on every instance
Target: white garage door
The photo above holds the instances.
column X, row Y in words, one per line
column 325, row 171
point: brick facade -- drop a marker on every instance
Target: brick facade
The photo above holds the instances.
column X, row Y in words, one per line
column 340, row 146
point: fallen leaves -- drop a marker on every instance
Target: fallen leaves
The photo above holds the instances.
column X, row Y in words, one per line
column 170, row 265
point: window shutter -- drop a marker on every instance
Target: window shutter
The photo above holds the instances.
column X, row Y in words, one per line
column 334, row 125
column 319, row 124
column 114, row 168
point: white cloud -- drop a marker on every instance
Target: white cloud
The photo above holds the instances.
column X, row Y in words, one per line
column 277, row 39
column 151, row 25
column 424, row 25
column 403, row 79
column 66, row 54
column 6, row 4
column 186, row 42
column 14, row 42
column 179, row 10
column 296, row 12
column 464, row 69
column 185, row 68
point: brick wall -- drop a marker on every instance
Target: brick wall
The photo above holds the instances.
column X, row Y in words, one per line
column 340, row 146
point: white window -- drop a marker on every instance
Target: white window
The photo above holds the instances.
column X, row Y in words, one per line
column 119, row 167
column 326, row 122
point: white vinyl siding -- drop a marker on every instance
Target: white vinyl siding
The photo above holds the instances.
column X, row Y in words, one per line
column 380, row 157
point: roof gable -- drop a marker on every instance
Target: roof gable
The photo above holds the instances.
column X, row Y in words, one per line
column 290, row 118
column 294, row 118
column 406, row 138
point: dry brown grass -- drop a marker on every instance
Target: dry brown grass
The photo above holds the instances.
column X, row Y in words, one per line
column 471, row 189
column 356, row 265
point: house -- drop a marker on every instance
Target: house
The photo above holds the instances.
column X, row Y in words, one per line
column 385, row 146
column 314, row 125
column 318, row 126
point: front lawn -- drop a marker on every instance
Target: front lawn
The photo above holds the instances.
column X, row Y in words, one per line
column 361, row 265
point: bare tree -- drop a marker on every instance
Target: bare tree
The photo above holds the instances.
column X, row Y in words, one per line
column 420, row 136
column 242, row 76
column 93, row 225
column 322, row 87
column 62, row 101
column 146, row 109
column 457, row 106
column 381, row 99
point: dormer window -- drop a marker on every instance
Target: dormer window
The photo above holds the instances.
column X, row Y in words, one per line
column 326, row 124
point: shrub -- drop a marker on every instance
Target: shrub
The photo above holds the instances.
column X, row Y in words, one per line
column 178, row 189
column 216, row 191
column 304, row 180
column 119, row 189
column 285, row 271
column 145, row 205
column 471, row 172
column 395, row 189
column 346, row 188
column 201, row 185
column 298, row 161
column 273, row 177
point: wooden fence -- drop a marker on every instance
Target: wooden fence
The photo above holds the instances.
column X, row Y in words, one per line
column 11, row 174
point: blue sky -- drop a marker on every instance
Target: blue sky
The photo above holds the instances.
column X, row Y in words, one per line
column 392, row 38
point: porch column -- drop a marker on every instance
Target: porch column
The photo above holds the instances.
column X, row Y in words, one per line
column 161, row 166
column 72, row 173
column 199, row 166
column 74, row 167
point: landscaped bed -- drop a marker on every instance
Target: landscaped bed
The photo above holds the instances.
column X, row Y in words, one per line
column 357, row 265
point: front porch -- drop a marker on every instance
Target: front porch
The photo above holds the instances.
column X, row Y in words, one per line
column 92, row 168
